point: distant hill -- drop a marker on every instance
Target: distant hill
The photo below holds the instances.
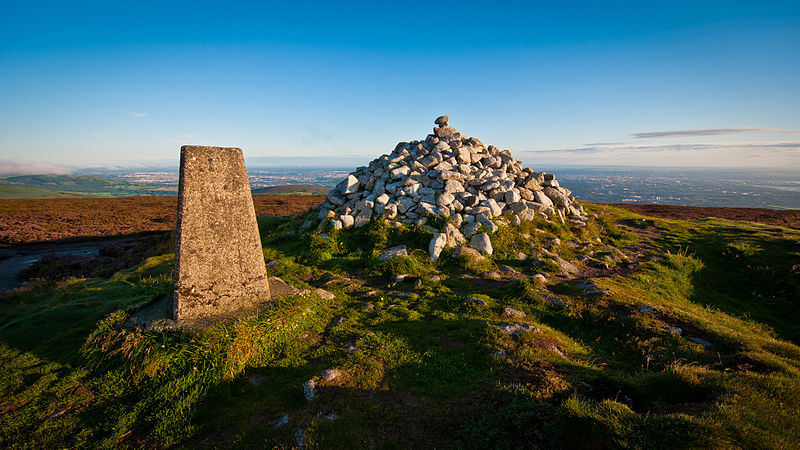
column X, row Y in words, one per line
column 47, row 186
column 292, row 189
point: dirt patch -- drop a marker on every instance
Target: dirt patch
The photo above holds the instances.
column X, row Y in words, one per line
column 786, row 218
column 743, row 363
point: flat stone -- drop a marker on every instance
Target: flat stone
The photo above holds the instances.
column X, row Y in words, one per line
column 454, row 237
column 310, row 390
column 473, row 300
column 324, row 294
column 471, row 228
column 702, row 342
column 330, row 374
column 516, row 328
column 566, row 266
column 453, row 186
column 347, row 220
column 512, row 196
column 445, row 199
column 281, row 422
column 436, row 246
column 382, row 199
column 442, row 120
column 513, row 313
column 481, row 243
column 335, row 322
column 466, row 252
column 393, row 252
column 445, row 132
column 487, row 223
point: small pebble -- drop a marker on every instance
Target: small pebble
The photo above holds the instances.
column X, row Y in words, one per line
column 702, row 342
column 330, row 374
column 674, row 330
column 310, row 390
column 281, row 422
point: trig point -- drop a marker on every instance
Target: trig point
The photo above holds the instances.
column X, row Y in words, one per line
column 219, row 264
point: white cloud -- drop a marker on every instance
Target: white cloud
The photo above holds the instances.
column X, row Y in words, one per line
column 138, row 115
column 709, row 132
column 624, row 147
column 12, row 167
column 711, row 154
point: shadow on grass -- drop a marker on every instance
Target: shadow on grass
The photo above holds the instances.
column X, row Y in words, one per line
column 754, row 275
column 52, row 320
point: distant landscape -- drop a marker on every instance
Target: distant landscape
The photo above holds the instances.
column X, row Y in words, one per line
column 77, row 186
column 292, row 189
column 738, row 188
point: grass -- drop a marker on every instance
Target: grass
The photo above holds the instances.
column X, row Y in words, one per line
column 422, row 367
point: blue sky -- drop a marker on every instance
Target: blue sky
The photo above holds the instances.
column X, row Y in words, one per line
column 595, row 83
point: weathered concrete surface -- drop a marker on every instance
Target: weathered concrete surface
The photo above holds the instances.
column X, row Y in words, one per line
column 219, row 264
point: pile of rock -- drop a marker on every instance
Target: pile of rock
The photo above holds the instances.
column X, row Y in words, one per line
column 453, row 176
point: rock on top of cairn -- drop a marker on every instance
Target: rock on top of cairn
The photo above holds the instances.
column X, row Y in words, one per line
column 219, row 264
column 442, row 121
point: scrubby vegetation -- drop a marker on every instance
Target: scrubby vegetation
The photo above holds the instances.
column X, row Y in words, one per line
column 667, row 334
column 53, row 219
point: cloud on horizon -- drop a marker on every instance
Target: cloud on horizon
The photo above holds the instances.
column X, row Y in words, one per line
column 709, row 132
column 15, row 167
column 791, row 146
column 138, row 115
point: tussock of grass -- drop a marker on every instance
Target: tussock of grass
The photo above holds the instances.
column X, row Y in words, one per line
column 415, row 264
column 168, row 374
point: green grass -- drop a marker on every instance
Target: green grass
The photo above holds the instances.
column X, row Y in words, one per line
column 419, row 364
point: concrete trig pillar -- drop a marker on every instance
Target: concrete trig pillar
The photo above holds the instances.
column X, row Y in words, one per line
column 219, row 264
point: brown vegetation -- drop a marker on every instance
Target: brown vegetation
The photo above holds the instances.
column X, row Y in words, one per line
column 52, row 219
column 786, row 218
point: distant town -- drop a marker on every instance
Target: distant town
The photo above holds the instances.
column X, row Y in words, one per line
column 747, row 188
column 259, row 177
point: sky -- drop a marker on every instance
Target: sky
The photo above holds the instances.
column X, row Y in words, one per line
column 697, row 84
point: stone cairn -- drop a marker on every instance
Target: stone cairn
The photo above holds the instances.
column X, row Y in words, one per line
column 453, row 176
